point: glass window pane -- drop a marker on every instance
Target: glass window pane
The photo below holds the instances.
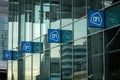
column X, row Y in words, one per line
column 55, row 64
column 21, row 69
column 9, row 76
column 15, row 70
column 66, row 8
column 36, row 66
column 66, row 61
column 80, row 28
column 10, row 36
column 55, row 14
column 79, row 9
column 112, row 53
column 45, row 65
column 22, row 19
column 95, row 56
column 80, row 58
column 44, row 40
column 28, row 68
column 45, row 8
column 36, row 21
column 108, row 2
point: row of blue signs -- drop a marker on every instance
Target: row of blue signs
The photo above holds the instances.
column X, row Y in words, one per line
column 12, row 55
column 26, row 47
column 95, row 19
column 31, row 47
column 59, row 36
column 54, row 36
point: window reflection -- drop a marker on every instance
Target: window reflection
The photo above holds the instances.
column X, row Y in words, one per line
column 80, row 28
column 28, row 68
column 45, row 65
column 15, row 71
column 66, row 8
column 107, row 3
column 80, row 70
column 9, row 76
column 36, row 66
column 79, row 7
column 95, row 56
column 66, row 61
column 95, row 4
column 45, row 9
column 55, row 64
column 21, row 69
column 55, row 14
column 36, row 23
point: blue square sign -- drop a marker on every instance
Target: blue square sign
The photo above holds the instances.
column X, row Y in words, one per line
column 54, row 36
column 17, row 55
column 7, row 55
column 37, row 47
column 96, row 19
column 66, row 36
column 26, row 47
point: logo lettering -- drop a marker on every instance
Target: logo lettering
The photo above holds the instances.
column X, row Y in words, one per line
column 67, row 36
column 112, row 20
column 27, row 47
column 54, row 35
column 96, row 18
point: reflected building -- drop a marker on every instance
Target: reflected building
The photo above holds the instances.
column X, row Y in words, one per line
column 3, row 35
column 78, row 58
column 3, row 44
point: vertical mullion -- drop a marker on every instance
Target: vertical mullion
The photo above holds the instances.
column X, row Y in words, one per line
column 72, row 39
column 60, row 43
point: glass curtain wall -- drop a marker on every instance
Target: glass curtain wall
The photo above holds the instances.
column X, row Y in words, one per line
column 80, row 58
column 13, row 37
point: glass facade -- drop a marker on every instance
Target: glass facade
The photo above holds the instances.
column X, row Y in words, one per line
column 89, row 54
column 3, row 34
